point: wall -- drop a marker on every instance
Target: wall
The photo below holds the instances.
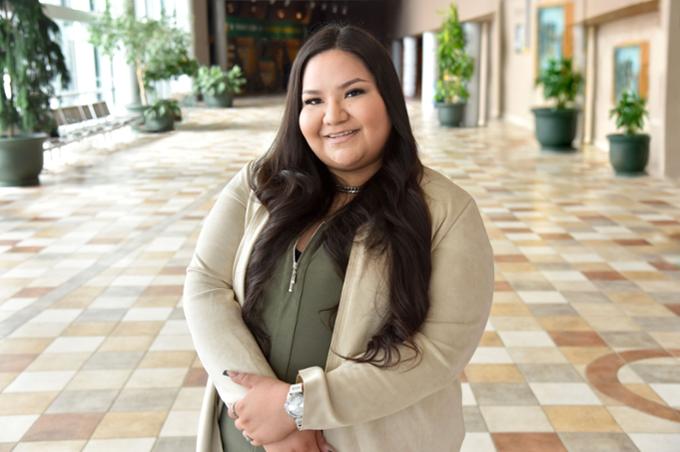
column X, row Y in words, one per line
column 646, row 27
column 416, row 17
column 518, row 92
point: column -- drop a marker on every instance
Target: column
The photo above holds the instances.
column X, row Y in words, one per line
column 200, row 40
column 429, row 74
column 591, row 70
column 472, row 45
column 670, row 91
column 220, row 34
column 483, row 74
column 496, row 66
column 410, row 66
column 396, row 57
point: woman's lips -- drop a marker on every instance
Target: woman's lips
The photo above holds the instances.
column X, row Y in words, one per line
column 343, row 138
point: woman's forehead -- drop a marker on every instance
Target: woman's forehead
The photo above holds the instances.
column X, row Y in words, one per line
column 332, row 68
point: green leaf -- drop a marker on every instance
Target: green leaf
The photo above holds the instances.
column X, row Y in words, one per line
column 30, row 59
column 561, row 83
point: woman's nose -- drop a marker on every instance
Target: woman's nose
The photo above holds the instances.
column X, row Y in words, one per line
column 335, row 113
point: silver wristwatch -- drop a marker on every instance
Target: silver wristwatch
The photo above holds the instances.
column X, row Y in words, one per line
column 295, row 404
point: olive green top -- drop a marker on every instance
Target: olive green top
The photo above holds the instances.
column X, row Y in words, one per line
column 297, row 321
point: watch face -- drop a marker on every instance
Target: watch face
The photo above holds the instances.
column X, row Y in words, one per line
column 296, row 405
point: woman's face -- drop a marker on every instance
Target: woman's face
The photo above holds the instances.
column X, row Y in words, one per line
column 343, row 117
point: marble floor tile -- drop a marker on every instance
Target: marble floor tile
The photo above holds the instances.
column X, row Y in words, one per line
column 12, row 428
column 528, row 442
column 515, row 419
column 51, row 446
column 477, row 442
column 597, row 442
column 499, row 394
column 97, row 401
column 63, row 426
column 130, row 425
column 40, row 381
column 174, row 444
column 655, row 442
column 116, row 445
column 564, row 394
column 151, row 399
column 570, row 418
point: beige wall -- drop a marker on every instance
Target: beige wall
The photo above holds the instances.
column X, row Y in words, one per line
column 518, row 92
column 646, row 27
column 418, row 16
column 594, row 12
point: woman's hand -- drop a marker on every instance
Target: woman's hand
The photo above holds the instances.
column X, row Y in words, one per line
column 260, row 413
column 303, row 441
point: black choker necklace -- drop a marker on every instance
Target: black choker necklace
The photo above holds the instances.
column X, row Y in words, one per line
column 347, row 188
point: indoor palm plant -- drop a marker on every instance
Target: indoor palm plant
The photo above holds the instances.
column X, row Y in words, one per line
column 155, row 48
column 218, row 87
column 455, row 70
column 556, row 124
column 30, row 59
column 629, row 151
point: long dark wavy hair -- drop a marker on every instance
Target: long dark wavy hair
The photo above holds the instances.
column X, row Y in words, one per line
column 297, row 189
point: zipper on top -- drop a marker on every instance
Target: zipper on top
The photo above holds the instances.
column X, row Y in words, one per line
column 293, row 273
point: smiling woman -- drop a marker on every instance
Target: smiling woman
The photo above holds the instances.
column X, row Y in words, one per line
column 342, row 284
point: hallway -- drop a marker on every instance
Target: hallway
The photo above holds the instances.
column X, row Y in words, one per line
column 582, row 351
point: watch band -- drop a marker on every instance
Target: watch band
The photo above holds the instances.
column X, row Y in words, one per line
column 294, row 405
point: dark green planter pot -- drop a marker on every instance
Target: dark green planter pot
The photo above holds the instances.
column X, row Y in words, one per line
column 628, row 154
column 136, row 109
column 451, row 115
column 21, row 159
column 221, row 101
column 556, row 129
column 159, row 124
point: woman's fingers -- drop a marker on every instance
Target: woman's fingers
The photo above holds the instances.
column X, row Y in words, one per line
column 230, row 411
column 321, row 442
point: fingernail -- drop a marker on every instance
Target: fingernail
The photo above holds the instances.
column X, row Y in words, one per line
column 225, row 373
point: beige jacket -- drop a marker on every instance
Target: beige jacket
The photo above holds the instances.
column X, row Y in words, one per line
column 359, row 407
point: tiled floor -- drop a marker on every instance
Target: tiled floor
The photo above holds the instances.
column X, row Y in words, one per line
column 582, row 352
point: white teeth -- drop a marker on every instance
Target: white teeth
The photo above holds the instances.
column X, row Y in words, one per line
column 336, row 135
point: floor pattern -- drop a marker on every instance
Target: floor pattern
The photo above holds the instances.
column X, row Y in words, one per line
column 582, row 351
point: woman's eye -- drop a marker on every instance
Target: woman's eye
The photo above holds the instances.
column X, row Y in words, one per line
column 312, row 101
column 354, row 92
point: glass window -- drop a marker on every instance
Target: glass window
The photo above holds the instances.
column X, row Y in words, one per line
column 91, row 72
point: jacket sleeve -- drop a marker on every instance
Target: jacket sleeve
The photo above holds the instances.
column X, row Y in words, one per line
column 221, row 338
column 461, row 291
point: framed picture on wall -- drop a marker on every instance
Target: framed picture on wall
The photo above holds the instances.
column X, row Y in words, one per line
column 553, row 32
column 631, row 69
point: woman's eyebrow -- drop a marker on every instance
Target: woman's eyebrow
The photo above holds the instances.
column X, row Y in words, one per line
column 343, row 85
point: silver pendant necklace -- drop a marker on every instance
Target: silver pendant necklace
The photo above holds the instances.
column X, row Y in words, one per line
column 352, row 189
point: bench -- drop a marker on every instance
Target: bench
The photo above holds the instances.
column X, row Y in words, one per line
column 81, row 121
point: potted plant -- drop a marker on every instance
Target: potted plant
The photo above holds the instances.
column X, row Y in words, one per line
column 455, row 70
column 629, row 151
column 160, row 116
column 155, row 48
column 556, row 125
column 30, row 58
column 218, row 87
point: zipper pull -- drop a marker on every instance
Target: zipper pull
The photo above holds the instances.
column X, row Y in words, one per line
column 293, row 275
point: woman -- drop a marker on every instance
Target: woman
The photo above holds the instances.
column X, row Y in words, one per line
column 339, row 263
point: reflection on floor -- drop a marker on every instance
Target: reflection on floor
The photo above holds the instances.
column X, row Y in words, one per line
column 582, row 351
